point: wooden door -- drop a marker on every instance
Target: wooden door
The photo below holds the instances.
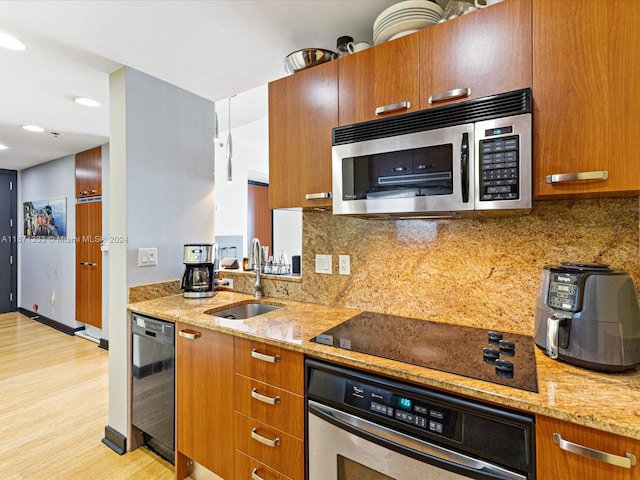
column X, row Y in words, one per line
column 89, row 263
column 204, row 400
column 303, row 108
column 381, row 76
column 89, row 173
column 554, row 463
column 259, row 216
column 487, row 52
column 586, row 66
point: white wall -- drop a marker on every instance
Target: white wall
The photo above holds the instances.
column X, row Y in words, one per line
column 161, row 195
column 47, row 266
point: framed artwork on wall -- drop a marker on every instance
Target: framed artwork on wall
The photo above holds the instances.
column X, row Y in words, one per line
column 45, row 218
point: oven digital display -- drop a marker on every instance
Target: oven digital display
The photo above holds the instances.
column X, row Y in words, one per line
column 405, row 403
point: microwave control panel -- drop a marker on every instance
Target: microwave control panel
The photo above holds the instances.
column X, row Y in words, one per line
column 499, row 169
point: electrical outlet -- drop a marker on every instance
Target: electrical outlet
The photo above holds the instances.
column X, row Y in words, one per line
column 323, row 264
column 344, row 264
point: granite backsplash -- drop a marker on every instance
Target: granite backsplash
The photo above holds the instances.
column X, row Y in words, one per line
column 480, row 272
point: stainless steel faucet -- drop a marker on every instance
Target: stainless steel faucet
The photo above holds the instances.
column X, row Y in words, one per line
column 256, row 254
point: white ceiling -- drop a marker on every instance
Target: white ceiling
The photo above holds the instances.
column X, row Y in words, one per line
column 213, row 48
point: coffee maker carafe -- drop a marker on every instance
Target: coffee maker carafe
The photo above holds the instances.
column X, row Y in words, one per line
column 198, row 279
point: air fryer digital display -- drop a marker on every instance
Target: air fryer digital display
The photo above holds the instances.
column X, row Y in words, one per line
column 564, row 292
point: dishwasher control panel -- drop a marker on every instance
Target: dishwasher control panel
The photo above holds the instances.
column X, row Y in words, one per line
column 405, row 409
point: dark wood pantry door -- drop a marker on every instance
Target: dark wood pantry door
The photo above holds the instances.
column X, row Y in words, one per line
column 8, row 241
column 259, row 215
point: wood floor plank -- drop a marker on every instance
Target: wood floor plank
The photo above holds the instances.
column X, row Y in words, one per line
column 54, row 407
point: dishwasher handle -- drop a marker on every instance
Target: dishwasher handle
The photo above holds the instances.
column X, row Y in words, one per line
column 365, row 428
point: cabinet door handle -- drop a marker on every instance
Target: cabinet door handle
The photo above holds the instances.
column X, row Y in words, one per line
column 628, row 461
column 572, row 177
column 265, row 358
column 254, row 475
column 315, row 196
column 89, row 264
column 265, row 441
column 394, row 107
column 189, row 334
column 450, row 95
column 264, row 398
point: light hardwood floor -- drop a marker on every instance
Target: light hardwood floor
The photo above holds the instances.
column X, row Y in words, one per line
column 54, row 407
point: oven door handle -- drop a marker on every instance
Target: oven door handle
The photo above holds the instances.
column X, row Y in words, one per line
column 361, row 426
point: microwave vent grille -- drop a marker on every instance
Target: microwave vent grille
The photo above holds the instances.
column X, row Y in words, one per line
column 477, row 110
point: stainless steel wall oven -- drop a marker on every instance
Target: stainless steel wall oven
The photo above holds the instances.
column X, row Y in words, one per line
column 363, row 426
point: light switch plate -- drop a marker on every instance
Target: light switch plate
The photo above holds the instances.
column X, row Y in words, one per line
column 323, row 264
column 147, row 257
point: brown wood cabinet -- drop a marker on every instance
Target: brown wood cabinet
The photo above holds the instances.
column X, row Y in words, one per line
column 555, row 463
column 204, row 401
column 269, row 417
column 585, row 65
column 303, row 108
column 89, row 173
column 479, row 54
column 379, row 82
column 89, row 263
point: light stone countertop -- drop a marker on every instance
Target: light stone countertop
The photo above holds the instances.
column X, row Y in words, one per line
column 608, row 402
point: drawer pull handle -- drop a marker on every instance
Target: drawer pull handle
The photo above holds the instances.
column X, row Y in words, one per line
column 264, row 398
column 89, row 264
column 265, row 441
column 265, row 358
column 450, row 95
column 316, row 196
column 189, row 334
column 628, row 461
column 394, row 107
column 254, row 475
column 572, row 177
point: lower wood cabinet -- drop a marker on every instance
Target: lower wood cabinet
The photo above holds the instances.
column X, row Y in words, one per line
column 204, row 401
column 248, row 468
column 89, row 263
column 269, row 410
column 572, row 456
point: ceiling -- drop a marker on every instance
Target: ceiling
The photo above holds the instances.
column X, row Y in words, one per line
column 215, row 49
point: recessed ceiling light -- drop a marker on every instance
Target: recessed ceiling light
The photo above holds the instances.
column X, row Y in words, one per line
column 3, row 147
column 87, row 102
column 33, row 128
column 12, row 43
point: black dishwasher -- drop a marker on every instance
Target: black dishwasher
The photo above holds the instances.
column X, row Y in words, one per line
column 153, row 383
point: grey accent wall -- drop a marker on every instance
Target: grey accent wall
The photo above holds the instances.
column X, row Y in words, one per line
column 161, row 195
column 47, row 266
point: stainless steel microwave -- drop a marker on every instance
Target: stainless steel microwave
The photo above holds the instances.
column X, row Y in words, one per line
column 473, row 157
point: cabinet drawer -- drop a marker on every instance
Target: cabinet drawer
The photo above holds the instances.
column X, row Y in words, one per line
column 248, row 468
column 286, row 457
column 276, row 407
column 269, row 364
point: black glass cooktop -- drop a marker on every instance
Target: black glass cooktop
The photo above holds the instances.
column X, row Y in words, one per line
column 503, row 358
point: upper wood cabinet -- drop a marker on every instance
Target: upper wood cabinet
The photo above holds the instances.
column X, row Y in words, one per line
column 379, row 82
column 479, row 54
column 303, row 108
column 586, row 65
column 555, row 461
column 204, row 400
column 89, row 173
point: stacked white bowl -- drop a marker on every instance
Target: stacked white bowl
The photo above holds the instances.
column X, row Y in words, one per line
column 404, row 18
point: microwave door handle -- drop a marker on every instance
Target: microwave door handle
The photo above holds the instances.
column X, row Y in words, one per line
column 464, row 167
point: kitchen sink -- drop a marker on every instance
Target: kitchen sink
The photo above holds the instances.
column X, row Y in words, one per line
column 245, row 310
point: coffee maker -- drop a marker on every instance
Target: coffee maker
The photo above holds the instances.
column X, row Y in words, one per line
column 198, row 279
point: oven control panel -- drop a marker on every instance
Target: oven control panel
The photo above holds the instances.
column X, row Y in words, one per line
column 407, row 410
